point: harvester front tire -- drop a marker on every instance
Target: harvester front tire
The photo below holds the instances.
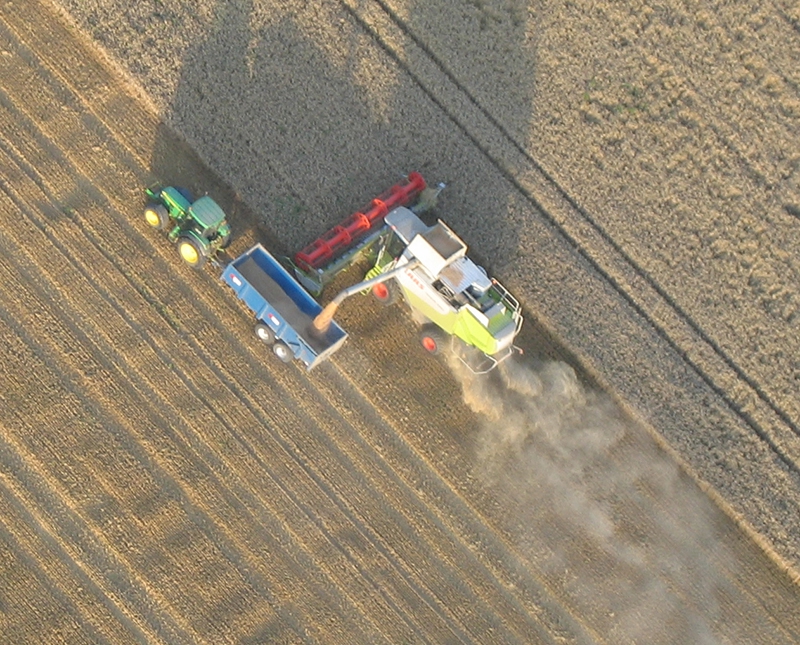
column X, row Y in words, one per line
column 385, row 293
column 191, row 251
column 432, row 339
column 282, row 351
column 265, row 333
column 156, row 216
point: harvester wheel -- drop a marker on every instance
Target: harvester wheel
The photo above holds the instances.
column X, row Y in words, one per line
column 265, row 333
column 192, row 251
column 385, row 293
column 432, row 338
column 282, row 351
column 157, row 216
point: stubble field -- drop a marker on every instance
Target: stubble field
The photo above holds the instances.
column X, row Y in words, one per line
column 626, row 170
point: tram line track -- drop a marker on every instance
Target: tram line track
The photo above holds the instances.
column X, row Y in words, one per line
column 584, row 233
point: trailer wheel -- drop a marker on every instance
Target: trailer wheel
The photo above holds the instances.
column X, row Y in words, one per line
column 432, row 338
column 157, row 216
column 282, row 351
column 265, row 333
column 192, row 251
column 385, row 293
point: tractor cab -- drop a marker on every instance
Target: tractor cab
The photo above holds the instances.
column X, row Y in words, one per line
column 208, row 218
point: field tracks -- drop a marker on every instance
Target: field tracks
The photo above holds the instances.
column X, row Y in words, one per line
column 743, row 395
column 114, row 607
column 224, row 505
column 83, row 228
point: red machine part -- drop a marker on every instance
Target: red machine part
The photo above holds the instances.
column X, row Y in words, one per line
column 340, row 238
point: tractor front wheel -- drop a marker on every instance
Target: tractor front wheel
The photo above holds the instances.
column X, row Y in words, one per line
column 157, row 216
column 432, row 338
column 265, row 333
column 191, row 251
column 282, row 351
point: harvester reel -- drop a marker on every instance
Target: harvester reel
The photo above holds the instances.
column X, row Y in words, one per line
column 157, row 216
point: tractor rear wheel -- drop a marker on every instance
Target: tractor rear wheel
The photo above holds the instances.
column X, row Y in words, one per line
column 282, row 351
column 432, row 338
column 265, row 333
column 192, row 251
column 157, row 216
column 385, row 293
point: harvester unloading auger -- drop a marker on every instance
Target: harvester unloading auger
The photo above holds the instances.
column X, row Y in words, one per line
column 323, row 321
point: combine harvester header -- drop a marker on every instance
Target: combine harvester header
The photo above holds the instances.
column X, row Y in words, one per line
column 325, row 248
column 334, row 251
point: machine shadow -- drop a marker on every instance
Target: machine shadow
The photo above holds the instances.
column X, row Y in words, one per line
column 299, row 139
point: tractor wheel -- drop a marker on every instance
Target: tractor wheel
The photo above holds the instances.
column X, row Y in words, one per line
column 385, row 293
column 226, row 241
column 265, row 333
column 282, row 351
column 192, row 251
column 157, row 216
column 432, row 338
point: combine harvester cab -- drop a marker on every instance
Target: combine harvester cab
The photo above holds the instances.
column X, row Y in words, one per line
column 283, row 309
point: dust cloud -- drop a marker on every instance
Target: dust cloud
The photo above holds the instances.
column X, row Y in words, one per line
column 589, row 500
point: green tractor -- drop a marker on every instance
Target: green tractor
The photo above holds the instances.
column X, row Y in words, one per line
column 199, row 228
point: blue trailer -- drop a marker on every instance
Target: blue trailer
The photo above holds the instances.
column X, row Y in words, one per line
column 284, row 310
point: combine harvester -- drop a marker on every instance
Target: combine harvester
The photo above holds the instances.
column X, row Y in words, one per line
column 452, row 298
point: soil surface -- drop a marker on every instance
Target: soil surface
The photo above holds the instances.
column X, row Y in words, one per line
column 625, row 169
